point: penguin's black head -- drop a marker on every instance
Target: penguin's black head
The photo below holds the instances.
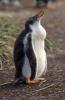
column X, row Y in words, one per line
column 35, row 19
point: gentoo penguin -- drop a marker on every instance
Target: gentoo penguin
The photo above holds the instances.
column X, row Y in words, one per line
column 29, row 51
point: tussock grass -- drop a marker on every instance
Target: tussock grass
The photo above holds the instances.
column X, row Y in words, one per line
column 9, row 30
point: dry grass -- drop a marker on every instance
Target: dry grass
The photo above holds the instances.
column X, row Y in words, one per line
column 9, row 30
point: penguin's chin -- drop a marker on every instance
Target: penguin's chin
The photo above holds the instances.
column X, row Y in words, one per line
column 40, row 19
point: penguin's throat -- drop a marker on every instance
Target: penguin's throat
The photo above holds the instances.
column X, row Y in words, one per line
column 39, row 35
column 39, row 32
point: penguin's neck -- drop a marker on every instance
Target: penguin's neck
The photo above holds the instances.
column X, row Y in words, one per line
column 38, row 32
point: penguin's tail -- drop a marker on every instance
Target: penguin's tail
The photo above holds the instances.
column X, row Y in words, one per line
column 19, row 81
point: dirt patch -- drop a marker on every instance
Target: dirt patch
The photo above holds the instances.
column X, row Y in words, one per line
column 56, row 75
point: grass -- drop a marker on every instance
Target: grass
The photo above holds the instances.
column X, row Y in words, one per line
column 9, row 30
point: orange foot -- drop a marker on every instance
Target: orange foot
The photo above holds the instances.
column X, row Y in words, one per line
column 28, row 81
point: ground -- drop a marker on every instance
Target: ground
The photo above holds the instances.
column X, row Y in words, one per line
column 54, row 22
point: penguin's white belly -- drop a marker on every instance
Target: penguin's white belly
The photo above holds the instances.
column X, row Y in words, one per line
column 41, row 60
column 26, row 70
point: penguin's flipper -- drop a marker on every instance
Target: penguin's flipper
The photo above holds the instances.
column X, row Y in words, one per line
column 31, row 56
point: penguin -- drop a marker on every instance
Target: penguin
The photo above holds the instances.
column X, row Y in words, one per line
column 29, row 52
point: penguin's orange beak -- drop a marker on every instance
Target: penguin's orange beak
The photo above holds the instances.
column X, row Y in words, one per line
column 39, row 15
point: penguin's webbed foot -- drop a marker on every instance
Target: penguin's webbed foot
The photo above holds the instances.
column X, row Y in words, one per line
column 41, row 79
column 28, row 81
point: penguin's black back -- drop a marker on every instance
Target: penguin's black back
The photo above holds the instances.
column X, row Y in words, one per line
column 19, row 54
column 19, row 46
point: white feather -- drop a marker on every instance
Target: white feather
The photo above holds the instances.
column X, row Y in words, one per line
column 38, row 36
column 26, row 70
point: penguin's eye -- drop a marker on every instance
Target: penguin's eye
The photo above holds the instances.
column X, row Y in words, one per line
column 31, row 21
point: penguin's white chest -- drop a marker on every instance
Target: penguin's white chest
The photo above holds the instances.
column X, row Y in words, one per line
column 37, row 36
column 41, row 61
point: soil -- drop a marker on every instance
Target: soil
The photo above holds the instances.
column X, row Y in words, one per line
column 54, row 23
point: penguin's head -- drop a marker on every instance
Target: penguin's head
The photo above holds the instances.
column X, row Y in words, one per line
column 34, row 21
